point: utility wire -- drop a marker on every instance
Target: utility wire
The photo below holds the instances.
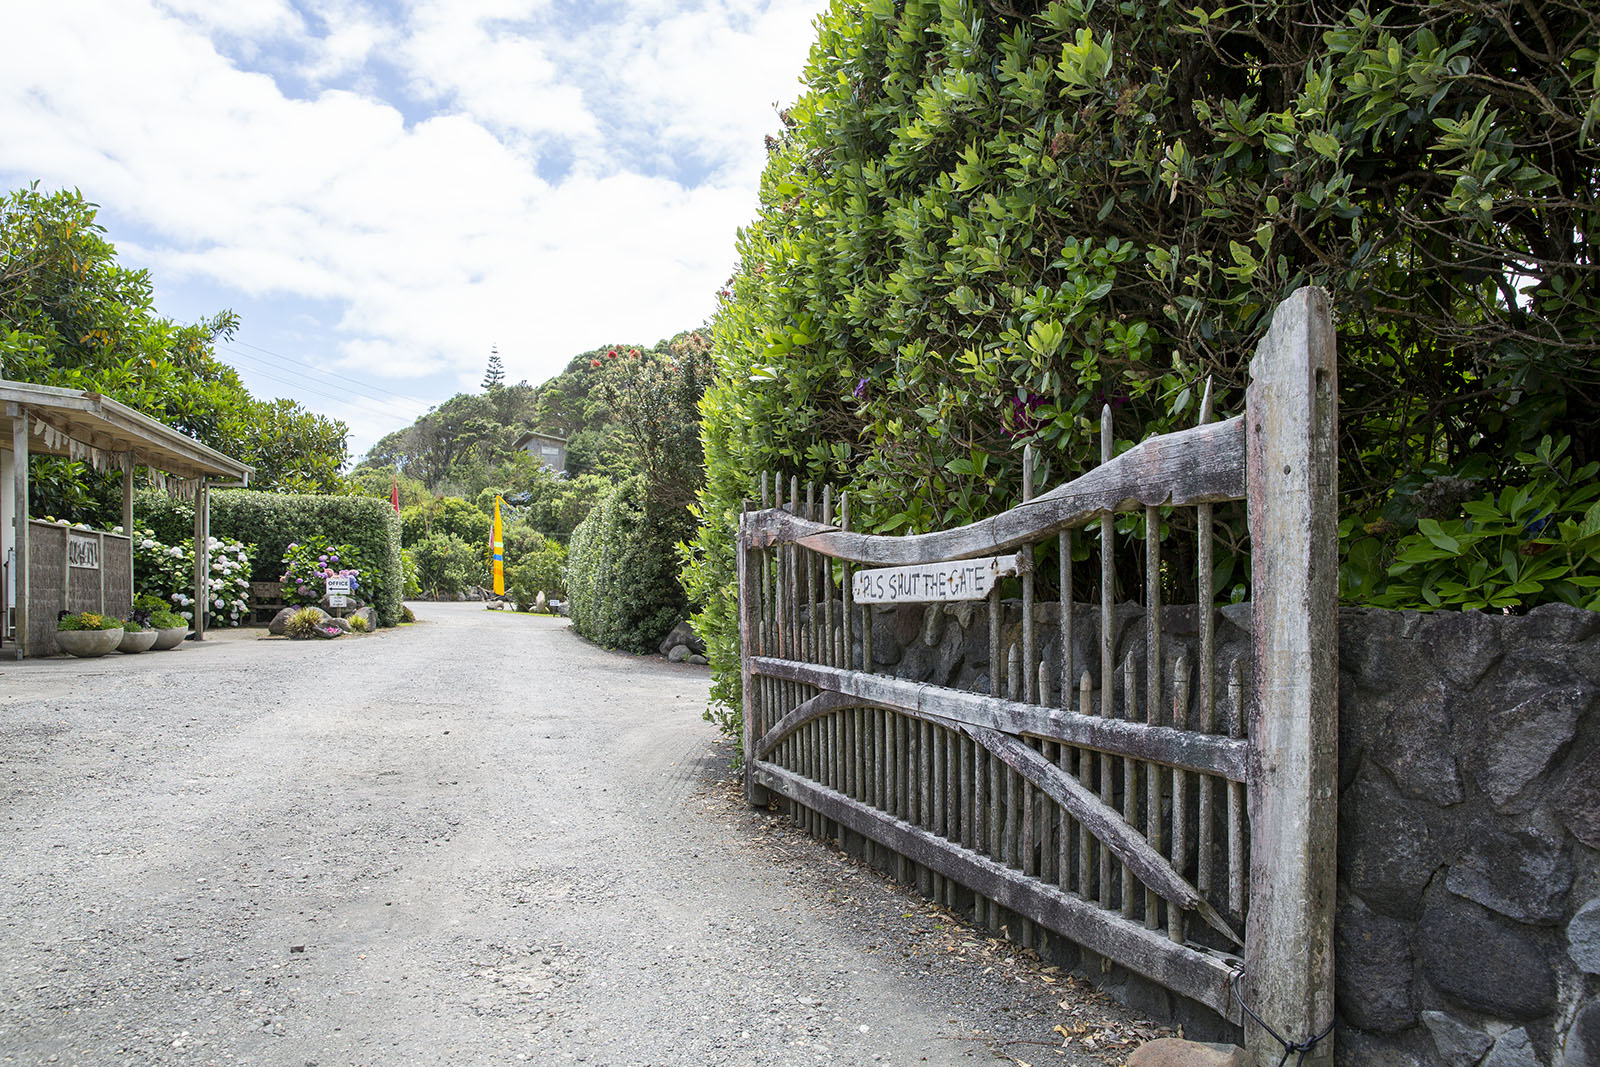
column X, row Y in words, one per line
column 330, row 373
column 342, row 391
column 370, row 406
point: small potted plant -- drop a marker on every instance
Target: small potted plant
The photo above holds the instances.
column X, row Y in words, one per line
column 137, row 636
column 170, row 627
column 87, row 634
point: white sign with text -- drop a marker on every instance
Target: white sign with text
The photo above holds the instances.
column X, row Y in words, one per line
column 965, row 579
column 338, row 585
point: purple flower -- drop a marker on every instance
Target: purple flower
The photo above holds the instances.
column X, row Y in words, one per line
column 861, row 389
column 322, row 559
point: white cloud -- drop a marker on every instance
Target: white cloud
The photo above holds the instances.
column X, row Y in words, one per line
column 430, row 228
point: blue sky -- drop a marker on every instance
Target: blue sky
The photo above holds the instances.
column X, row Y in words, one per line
column 383, row 191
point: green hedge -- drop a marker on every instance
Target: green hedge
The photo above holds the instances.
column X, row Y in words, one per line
column 622, row 582
column 270, row 522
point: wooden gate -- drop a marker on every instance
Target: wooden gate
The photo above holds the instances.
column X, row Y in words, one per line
column 1180, row 827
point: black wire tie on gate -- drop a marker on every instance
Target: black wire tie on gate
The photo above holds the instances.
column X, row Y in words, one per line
column 1289, row 1047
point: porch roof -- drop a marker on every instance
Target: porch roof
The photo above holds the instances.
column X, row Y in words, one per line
column 111, row 427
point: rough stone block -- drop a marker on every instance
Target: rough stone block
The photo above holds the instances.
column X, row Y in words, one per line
column 1555, row 624
column 1387, row 849
column 1577, row 799
column 1513, row 1049
column 1176, row 1052
column 1458, row 1044
column 1524, row 739
column 1464, row 645
column 1373, row 969
column 1355, row 1049
column 1483, row 962
column 1583, row 938
column 1520, row 873
column 1412, row 728
column 1581, row 1046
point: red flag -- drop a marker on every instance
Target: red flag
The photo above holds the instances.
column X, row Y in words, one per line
column 394, row 493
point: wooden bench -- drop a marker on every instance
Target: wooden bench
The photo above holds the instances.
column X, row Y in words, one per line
column 266, row 600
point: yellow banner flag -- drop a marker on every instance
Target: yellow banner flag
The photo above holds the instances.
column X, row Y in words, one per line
column 498, row 553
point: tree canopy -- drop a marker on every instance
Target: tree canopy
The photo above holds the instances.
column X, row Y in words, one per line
column 72, row 316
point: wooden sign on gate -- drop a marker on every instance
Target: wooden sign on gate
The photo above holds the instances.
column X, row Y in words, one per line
column 926, row 583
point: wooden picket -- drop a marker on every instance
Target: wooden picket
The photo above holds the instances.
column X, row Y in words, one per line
column 1182, row 837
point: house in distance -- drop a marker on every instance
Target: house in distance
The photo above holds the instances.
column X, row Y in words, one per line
column 550, row 449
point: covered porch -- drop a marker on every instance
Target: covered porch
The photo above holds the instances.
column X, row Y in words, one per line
column 48, row 568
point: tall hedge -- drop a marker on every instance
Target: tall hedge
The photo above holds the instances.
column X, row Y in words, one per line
column 270, row 522
column 622, row 569
column 984, row 222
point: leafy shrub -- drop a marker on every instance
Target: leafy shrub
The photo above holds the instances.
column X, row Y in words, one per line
column 307, row 566
column 1536, row 541
column 983, row 222
column 272, row 521
column 622, row 581
column 447, row 565
column 446, row 516
column 542, row 569
column 412, row 582
column 167, row 571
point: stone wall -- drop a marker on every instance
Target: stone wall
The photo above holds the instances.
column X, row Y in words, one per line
column 1469, row 849
column 1469, row 824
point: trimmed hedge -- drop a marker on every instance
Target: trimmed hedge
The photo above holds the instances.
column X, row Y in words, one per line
column 622, row 570
column 269, row 522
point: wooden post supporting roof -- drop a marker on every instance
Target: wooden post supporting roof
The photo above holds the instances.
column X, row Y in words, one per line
column 1291, row 464
column 202, row 557
column 19, row 559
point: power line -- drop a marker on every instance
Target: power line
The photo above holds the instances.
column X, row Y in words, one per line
column 368, row 404
column 332, row 374
column 342, row 393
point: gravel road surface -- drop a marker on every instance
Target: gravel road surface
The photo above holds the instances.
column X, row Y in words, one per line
column 475, row 840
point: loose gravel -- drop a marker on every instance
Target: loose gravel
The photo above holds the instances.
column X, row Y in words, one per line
column 475, row 840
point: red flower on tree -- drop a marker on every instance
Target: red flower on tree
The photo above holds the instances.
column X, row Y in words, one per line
column 611, row 354
column 594, row 363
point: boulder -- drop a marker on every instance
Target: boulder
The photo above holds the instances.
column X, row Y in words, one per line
column 540, row 604
column 682, row 634
column 342, row 624
column 1177, row 1052
column 698, row 660
column 281, row 619
column 1458, row 1044
column 679, row 653
column 368, row 613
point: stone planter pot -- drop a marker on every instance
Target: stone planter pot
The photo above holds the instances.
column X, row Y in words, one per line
column 170, row 638
column 87, row 644
column 138, row 641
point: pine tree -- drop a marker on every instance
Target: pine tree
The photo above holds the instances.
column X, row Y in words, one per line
column 495, row 376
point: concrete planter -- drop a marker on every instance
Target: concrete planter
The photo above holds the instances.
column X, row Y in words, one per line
column 87, row 644
column 138, row 641
column 170, row 638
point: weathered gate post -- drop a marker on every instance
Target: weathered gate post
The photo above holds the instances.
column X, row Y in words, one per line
column 1291, row 454
column 749, row 568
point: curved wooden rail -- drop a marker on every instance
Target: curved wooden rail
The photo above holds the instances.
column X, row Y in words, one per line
column 1205, row 464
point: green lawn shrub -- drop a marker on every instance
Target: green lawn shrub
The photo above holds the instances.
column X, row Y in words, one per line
column 622, row 580
column 270, row 522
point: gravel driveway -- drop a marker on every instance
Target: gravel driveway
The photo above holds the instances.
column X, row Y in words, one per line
column 476, row 840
